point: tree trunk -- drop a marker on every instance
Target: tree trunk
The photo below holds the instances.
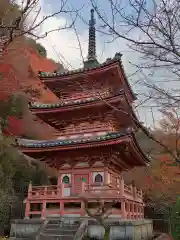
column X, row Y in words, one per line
column 107, row 232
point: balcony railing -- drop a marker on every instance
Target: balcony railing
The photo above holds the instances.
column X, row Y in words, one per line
column 91, row 130
column 74, row 100
column 90, row 190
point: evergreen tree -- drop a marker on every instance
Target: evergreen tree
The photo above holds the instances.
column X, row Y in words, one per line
column 175, row 218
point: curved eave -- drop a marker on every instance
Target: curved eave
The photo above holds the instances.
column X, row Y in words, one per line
column 80, row 72
column 119, row 140
column 139, row 153
column 97, row 102
column 135, row 156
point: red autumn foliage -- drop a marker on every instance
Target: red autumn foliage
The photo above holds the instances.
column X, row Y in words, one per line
column 18, row 73
column 160, row 180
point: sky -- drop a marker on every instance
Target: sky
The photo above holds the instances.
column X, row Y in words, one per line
column 63, row 46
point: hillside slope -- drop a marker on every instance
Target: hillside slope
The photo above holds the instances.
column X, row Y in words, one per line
column 18, row 73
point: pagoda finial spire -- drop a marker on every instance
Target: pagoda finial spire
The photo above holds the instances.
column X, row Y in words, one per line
column 92, row 37
column 91, row 59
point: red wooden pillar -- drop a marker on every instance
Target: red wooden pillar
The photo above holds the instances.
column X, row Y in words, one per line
column 59, row 180
column 82, row 209
column 27, row 209
column 143, row 211
column 118, row 188
column 62, row 208
column 83, row 188
column 106, row 176
column 132, row 211
column 72, row 183
column 62, row 190
column 90, row 177
column 134, row 192
column 123, row 209
column 128, row 210
column 83, row 185
column 138, row 211
column 122, row 186
column 43, row 212
column 30, row 190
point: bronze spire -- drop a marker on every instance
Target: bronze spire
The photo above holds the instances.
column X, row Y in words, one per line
column 91, row 59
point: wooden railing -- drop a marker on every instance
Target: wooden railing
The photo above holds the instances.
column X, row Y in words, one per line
column 46, row 191
column 128, row 189
column 103, row 191
column 49, row 192
column 97, row 95
column 94, row 128
column 139, row 192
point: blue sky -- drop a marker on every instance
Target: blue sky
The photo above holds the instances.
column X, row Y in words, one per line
column 63, row 46
column 104, row 49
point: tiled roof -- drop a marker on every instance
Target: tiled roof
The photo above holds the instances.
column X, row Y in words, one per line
column 55, row 143
column 117, row 58
column 75, row 102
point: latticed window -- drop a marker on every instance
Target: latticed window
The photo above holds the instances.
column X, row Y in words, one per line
column 82, row 179
column 98, row 178
column 66, row 179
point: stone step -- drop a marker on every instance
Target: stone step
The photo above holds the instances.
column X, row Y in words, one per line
column 19, row 238
column 71, row 222
column 57, row 229
column 57, row 226
column 54, row 221
column 56, row 237
column 46, row 236
column 60, row 231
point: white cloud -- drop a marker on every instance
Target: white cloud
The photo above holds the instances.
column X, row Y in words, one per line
column 63, row 46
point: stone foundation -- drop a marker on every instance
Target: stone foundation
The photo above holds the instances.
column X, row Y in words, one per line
column 22, row 229
column 120, row 229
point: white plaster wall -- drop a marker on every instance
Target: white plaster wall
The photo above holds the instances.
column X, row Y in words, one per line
column 73, row 137
column 67, row 192
column 87, row 134
column 109, row 177
column 101, row 133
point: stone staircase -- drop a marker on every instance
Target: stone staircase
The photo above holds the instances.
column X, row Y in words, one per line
column 56, row 229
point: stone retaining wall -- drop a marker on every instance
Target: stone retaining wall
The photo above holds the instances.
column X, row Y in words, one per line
column 119, row 230
column 122, row 230
column 25, row 228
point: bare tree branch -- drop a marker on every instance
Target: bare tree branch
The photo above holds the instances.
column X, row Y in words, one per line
column 31, row 11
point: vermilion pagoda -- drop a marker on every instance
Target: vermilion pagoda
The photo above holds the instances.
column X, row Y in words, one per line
column 95, row 140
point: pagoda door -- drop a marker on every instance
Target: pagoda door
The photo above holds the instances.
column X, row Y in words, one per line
column 78, row 179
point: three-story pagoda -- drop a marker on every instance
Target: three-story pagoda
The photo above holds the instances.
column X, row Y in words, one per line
column 95, row 140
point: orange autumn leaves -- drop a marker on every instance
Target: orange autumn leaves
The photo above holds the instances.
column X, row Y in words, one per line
column 16, row 78
column 164, row 172
column 161, row 180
